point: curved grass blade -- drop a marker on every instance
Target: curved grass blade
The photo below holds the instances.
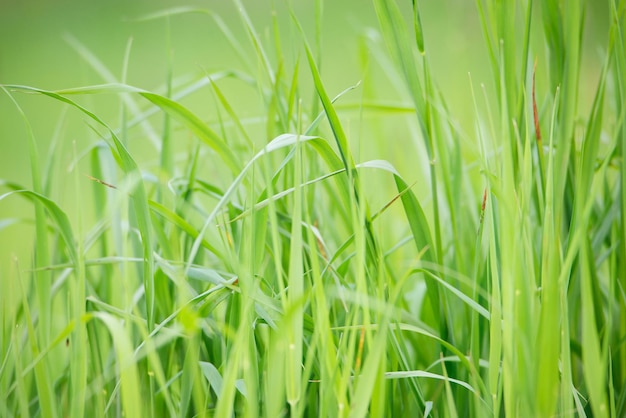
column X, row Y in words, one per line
column 57, row 214
column 428, row 375
column 170, row 106
column 108, row 76
column 127, row 163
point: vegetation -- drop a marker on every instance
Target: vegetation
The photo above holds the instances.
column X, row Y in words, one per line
column 277, row 265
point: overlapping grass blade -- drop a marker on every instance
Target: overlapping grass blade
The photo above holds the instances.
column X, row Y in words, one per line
column 128, row 164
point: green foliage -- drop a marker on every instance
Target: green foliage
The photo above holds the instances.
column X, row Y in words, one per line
column 267, row 268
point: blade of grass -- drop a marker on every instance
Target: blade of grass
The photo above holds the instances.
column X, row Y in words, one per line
column 141, row 208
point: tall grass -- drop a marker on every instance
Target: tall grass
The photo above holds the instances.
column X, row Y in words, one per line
column 265, row 268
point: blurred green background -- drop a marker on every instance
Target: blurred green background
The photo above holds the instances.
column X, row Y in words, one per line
column 34, row 50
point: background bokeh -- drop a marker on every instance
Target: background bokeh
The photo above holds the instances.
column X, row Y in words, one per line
column 36, row 49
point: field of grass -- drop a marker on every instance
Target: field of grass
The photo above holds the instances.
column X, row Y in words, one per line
column 364, row 208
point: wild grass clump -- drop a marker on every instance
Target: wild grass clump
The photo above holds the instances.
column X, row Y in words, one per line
column 261, row 267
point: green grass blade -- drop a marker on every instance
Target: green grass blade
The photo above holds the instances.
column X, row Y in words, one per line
column 142, row 212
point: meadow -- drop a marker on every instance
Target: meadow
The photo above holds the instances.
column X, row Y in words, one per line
column 360, row 208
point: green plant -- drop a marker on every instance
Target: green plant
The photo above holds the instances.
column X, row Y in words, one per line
column 268, row 268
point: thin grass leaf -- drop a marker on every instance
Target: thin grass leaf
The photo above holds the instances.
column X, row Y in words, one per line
column 170, row 106
column 129, row 379
column 142, row 212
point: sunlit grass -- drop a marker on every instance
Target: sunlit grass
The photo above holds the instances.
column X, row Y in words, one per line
column 262, row 267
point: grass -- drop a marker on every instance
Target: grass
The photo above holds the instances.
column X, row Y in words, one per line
column 268, row 267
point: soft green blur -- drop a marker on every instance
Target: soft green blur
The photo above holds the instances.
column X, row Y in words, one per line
column 34, row 51
column 56, row 45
